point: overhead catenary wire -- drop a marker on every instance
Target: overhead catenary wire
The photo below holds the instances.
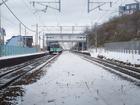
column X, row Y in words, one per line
column 102, row 4
column 106, row 15
column 8, row 20
column 98, row 7
column 27, row 6
column 16, row 16
column 101, row 18
column 113, row 11
column 32, row 12
column 37, row 17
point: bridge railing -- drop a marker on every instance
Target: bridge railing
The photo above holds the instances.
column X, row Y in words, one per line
column 15, row 50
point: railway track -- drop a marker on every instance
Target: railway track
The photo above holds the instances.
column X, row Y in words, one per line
column 119, row 68
column 11, row 74
column 8, row 70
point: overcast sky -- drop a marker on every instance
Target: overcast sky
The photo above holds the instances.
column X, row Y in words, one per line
column 74, row 12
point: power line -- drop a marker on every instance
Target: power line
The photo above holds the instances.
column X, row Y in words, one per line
column 100, row 4
column 3, row 2
column 8, row 20
column 31, row 10
column 106, row 13
column 27, row 6
column 17, row 17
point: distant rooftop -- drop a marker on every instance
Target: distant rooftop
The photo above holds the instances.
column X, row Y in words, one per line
column 129, row 8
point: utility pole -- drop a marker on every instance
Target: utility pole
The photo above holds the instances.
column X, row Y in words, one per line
column 21, row 41
column 25, row 31
column 87, row 42
column 0, row 15
column 19, row 28
column 36, row 37
column 25, row 38
column 39, row 42
column 96, row 38
column 43, row 41
column 1, row 36
column 73, row 28
column 1, row 3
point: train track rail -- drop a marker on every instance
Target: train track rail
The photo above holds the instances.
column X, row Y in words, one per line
column 8, row 70
column 121, row 68
column 11, row 74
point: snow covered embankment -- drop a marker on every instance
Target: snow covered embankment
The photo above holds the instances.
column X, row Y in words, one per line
column 133, row 58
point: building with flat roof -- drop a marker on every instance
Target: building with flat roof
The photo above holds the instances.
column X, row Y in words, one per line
column 129, row 8
column 24, row 41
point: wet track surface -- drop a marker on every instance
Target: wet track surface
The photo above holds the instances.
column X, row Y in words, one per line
column 70, row 80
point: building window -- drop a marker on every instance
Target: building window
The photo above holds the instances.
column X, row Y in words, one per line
column 133, row 6
column 127, row 7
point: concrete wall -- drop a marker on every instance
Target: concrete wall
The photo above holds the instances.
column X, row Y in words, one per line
column 131, row 45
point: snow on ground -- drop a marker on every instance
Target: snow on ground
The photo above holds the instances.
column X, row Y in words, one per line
column 125, row 57
column 70, row 80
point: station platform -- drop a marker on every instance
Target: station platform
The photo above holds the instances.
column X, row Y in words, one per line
column 8, row 61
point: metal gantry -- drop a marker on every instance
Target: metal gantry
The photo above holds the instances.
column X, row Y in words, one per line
column 99, row 5
column 65, row 37
column 46, row 5
column 63, row 33
column 63, row 29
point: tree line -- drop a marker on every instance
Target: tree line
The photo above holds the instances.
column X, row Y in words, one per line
column 117, row 29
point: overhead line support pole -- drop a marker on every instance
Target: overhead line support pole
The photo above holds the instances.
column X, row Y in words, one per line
column 36, row 36
column 88, row 6
column 59, row 5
